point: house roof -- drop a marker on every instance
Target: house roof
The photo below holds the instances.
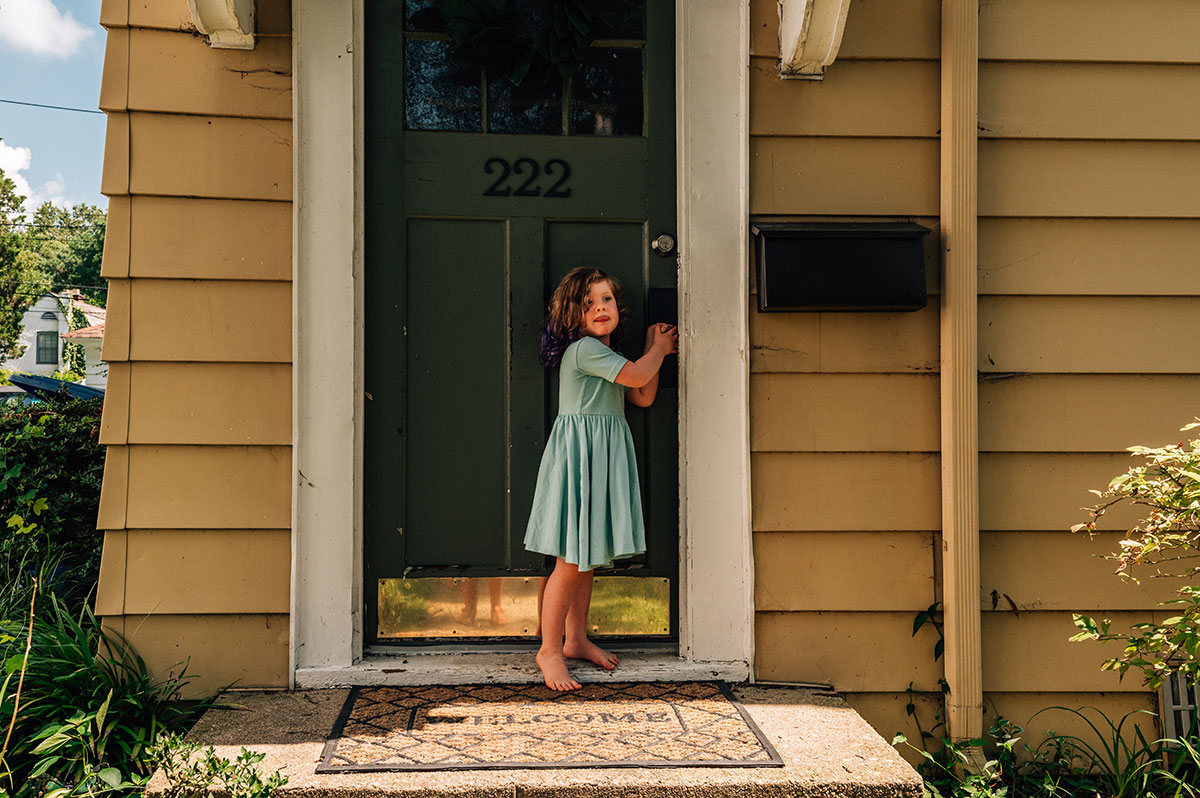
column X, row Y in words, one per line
column 93, row 312
column 95, row 331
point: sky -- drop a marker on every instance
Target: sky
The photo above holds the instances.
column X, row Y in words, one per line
column 52, row 52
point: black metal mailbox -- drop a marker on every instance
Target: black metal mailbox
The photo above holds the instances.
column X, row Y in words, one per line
column 839, row 266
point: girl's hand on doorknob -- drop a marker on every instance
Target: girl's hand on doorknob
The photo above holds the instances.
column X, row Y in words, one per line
column 664, row 336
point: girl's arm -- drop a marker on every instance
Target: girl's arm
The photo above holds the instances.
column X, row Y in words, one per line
column 642, row 374
column 644, row 396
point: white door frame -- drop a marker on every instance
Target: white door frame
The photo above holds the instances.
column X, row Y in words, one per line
column 716, row 623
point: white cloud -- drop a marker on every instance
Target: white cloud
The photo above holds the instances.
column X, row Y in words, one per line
column 14, row 161
column 38, row 27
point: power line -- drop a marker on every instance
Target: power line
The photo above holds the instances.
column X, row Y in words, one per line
column 52, row 226
column 55, row 107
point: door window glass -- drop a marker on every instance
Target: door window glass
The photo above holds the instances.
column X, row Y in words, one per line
column 438, row 95
column 540, row 79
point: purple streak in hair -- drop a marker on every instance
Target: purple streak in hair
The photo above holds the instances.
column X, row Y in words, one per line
column 554, row 343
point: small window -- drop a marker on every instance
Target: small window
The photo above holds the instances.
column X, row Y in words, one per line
column 47, row 347
column 49, row 316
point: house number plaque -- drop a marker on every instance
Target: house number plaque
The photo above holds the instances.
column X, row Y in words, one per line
column 524, row 173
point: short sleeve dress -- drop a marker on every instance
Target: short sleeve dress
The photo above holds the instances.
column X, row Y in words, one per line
column 587, row 507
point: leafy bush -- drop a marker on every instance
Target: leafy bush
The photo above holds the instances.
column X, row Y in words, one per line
column 1167, row 539
column 1115, row 764
column 189, row 775
column 51, row 451
column 79, row 705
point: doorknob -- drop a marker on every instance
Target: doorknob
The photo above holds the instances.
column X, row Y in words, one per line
column 663, row 246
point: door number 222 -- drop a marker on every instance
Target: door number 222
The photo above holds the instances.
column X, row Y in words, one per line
column 499, row 187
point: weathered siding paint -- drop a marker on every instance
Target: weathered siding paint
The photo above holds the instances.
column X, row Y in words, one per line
column 196, row 501
column 1087, row 238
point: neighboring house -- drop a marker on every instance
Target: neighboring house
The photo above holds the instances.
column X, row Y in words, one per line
column 91, row 339
column 44, row 323
column 352, row 398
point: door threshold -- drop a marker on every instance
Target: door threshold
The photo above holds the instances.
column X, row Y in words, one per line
column 505, row 667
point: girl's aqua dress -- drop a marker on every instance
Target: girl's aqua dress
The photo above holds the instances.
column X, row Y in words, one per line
column 587, row 507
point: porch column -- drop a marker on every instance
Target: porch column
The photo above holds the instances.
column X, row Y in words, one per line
column 959, row 368
column 326, row 617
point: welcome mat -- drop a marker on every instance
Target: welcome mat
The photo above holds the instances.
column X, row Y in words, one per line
column 465, row 727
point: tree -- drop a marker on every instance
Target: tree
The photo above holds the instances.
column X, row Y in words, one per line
column 58, row 248
column 68, row 244
column 19, row 281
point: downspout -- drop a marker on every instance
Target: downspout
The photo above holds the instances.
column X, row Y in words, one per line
column 959, row 368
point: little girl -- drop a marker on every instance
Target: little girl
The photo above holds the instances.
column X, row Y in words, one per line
column 587, row 507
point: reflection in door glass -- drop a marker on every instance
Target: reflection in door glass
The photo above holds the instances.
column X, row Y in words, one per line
column 437, row 94
column 607, row 94
column 507, row 606
column 422, row 15
column 629, row 21
column 538, row 111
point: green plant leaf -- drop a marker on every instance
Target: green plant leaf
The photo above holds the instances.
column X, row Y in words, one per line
column 100, row 713
column 55, row 740
column 43, row 766
column 110, row 776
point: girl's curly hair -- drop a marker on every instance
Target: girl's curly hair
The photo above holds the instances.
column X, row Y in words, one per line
column 564, row 324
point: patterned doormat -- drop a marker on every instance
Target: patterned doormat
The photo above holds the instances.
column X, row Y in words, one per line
column 465, row 727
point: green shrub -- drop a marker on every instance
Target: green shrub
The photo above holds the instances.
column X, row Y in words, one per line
column 79, row 707
column 50, row 451
column 1112, row 762
column 191, row 772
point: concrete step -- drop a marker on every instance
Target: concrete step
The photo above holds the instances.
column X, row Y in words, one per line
column 827, row 749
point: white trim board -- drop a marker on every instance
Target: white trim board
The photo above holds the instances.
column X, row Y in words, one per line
column 716, row 623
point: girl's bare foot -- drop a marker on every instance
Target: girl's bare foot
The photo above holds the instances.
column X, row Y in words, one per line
column 554, row 671
column 498, row 617
column 592, row 653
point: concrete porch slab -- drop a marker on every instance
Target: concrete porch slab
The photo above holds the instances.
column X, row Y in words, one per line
column 827, row 749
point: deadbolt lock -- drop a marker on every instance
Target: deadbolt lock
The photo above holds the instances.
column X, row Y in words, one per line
column 663, row 246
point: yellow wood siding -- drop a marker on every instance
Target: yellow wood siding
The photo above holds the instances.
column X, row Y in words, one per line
column 796, row 491
column 900, row 29
column 859, row 98
column 1026, row 100
column 1088, row 236
column 213, row 403
column 821, row 571
column 218, row 649
column 181, row 74
column 178, row 155
column 196, row 501
column 1056, row 571
column 1086, row 334
column 1149, row 31
column 844, row 342
column 853, row 651
column 184, row 237
column 1084, row 412
column 1029, row 491
column 212, row 320
column 864, row 176
column 272, row 17
column 1091, row 256
column 1039, row 177
column 844, row 412
column 204, row 487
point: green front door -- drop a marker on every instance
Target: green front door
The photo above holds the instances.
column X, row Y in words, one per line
column 479, row 197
